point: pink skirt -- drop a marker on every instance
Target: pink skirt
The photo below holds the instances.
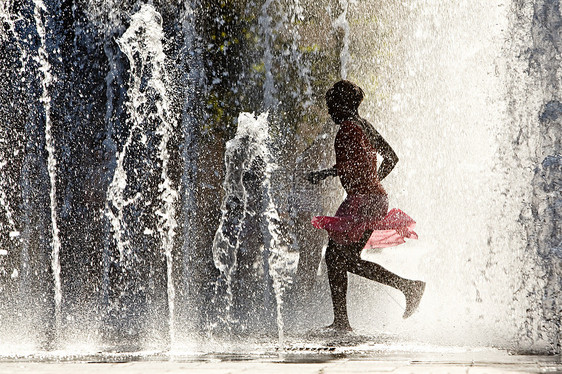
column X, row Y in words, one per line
column 359, row 213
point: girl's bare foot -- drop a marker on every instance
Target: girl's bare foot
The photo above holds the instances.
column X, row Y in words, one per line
column 413, row 294
column 340, row 326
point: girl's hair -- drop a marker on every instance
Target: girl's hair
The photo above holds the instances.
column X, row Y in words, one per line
column 345, row 95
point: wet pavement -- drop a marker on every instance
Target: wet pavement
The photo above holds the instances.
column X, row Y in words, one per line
column 296, row 361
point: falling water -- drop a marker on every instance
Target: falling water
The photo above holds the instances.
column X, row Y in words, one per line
column 234, row 207
column 149, row 19
column 246, row 160
column 47, row 78
column 122, row 135
column 445, row 103
column 267, row 34
column 278, row 258
column 5, row 203
column 342, row 23
column 192, row 79
column 13, row 232
column 146, row 55
column 248, row 203
column 116, row 203
column 114, row 108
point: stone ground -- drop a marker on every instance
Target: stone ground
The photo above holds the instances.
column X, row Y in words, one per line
column 484, row 361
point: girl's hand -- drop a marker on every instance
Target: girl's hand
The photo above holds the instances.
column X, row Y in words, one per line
column 315, row 177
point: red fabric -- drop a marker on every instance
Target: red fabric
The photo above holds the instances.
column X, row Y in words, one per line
column 356, row 161
column 387, row 232
column 366, row 205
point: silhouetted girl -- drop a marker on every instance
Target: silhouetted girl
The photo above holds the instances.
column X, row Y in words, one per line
column 362, row 220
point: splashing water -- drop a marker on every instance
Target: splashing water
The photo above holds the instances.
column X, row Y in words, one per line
column 47, row 78
column 192, row 78
column 248, row 206
column 342, row 23
column 145, row 53
column 116, row 114
column 5, row 203
column 445, row 104
column 267, row 32
column 244, row 159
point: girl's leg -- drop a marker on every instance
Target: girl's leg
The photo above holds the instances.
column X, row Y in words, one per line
column 340, row 259
column 343, row 258
column 337, row 276
column 412, row 290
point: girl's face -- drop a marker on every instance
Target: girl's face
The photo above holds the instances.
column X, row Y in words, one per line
column 332, row 110
column 337, row 112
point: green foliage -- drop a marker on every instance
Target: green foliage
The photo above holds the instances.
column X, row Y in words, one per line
column 304, row 63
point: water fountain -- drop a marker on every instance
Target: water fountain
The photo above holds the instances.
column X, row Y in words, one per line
column 143, row 208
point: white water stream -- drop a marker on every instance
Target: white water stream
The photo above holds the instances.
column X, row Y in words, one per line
column 466, row 92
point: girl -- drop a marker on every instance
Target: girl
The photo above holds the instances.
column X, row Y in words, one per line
column 362, row 219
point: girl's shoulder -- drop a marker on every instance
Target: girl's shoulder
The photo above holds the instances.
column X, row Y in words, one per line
column 370, row 133
column 350, row 129
column 352, row 125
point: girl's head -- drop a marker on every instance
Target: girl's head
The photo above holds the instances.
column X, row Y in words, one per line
column 343, row 98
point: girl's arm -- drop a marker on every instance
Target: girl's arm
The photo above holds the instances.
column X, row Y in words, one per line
column 316, row 176
column 390, row 159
